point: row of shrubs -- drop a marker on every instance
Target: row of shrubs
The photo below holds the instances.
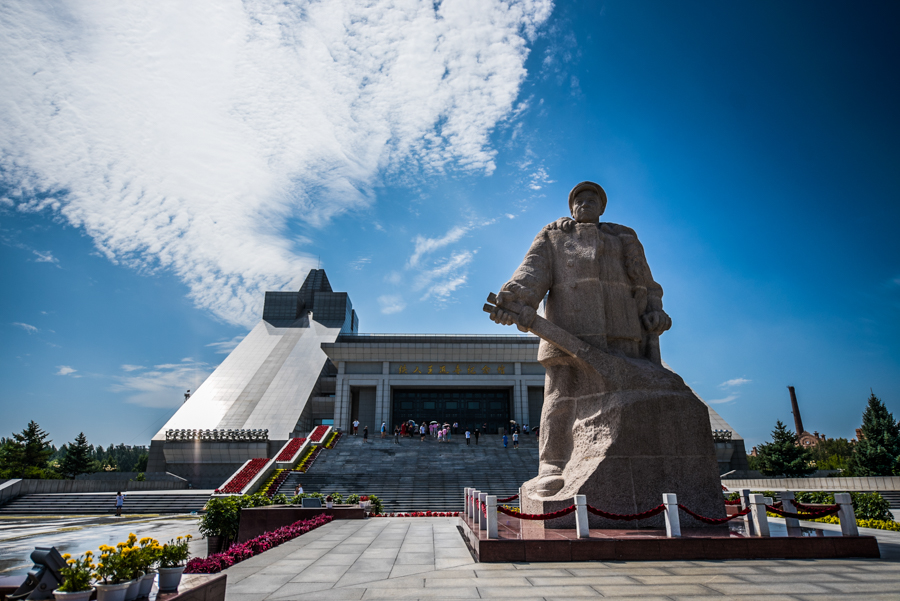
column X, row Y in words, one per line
column 223, row 514
column 241, row 551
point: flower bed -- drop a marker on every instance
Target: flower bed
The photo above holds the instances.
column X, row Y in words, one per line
column 318, row 434
column 240, row 551
column 833, row 519
column 418, row 514
column 240, row 480
column 290, row 449
column 271, row 487
column 333, row 439
column 308, row 459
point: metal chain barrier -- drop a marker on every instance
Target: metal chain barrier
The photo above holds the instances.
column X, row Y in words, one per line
column 819, row 513
column 507, row 499
column 713, row 521
column 536, row 516
column 628, row 517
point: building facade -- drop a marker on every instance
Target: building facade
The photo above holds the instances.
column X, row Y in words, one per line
column 306, row 364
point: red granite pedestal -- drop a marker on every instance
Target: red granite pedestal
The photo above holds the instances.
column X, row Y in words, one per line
column 521, row 540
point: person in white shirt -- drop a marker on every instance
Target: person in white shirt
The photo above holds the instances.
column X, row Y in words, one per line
column 355, row 427
column 516, row 440
column 468, row 437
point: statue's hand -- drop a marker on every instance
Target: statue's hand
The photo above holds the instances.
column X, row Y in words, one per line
column 656, row 322
column 500, row 316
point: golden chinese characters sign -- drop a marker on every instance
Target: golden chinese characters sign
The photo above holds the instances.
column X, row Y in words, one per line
column 452, row 369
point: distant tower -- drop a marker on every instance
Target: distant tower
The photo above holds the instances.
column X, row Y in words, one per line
column 795, row 409
column 804, row 438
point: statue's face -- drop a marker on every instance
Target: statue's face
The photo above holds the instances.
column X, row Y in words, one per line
column 586, row 207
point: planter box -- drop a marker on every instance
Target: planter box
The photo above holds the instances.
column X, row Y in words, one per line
column 292, row 463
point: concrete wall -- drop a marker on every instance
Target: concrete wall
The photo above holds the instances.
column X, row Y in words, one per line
column 887, row 483
column 126, row 476
column 11, row 489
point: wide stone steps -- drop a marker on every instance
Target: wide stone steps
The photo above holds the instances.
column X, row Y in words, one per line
column 105, row 503
column 416, row 476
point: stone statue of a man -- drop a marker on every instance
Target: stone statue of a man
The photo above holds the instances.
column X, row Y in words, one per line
column 622, row 416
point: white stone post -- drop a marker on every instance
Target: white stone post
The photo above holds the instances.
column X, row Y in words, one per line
column 846, row 514
column 748, row 519
column 491, row 501
column 473, row 497
column 787, row 503
column 466, row 492
column 582, row 528
column 758, row 511
column 673, row 522
column 482, row 498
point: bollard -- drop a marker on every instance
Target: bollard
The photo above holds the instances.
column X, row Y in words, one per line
column 491, row 501
column 472, row 502
column 758, row 511
column 465, row 500
column 748, row 519
column 482, row 522
column 846, row 514
column 582, row 528
column 787, row 503
column 673, row 522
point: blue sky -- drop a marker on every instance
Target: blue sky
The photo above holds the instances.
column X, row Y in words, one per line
column 161, row 167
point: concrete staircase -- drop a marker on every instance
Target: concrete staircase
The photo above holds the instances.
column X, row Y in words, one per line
column 145, row 502
column 417, row 476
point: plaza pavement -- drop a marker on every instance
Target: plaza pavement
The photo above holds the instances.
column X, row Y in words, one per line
column 425, row 558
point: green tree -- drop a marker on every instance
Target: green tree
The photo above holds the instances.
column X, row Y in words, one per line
column 141, row 464
column 783, row 456
column 878, row 451
column 26, row 454
column 77, row 459
column 833, row 454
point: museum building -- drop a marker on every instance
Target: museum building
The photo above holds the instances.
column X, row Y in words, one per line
column 306, row 364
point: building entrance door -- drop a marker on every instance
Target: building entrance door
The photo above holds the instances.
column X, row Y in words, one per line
column 470, row 408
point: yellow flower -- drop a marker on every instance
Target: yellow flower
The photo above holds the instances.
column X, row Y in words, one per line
column 120, row 545
column 94, row 566
column 88, row 553
column 66, row 556
column 99, row 566
column 189, row 537
column 71, row 562
column 180, row 537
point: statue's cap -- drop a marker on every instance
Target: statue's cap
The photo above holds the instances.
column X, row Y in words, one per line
column 589, row 186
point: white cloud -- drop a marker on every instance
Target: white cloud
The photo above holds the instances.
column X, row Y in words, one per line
column 226, row 346
column 186, row 136
column 164, row 385
column 427, row 245
column 734, row 382
column 45, row 257
column 727, row 399
column 446, row 277
column 65, row 370
column 25, row 326
column 539, row 178
column 393, row 277
column 391, row 303
column 360, row 263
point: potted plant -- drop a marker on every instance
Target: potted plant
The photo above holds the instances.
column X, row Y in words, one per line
column 112, row 574
column 133, row 564
column 76, row 585
column 172, row 560
column 220, row 522
column 149, row 553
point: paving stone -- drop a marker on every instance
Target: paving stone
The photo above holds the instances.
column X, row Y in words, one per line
column 316, row 573
column 445, row 593
column 535, row 592
column 785, row 588
column 639, row 590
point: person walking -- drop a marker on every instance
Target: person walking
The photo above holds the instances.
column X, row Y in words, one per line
column 455, row 427
column 365, row 434
column 477, row 433
column 355, row 427
column 120, row 500
column 505, row 441
column 468, row 436
column 516, row 440
column 383, row 429
column 422, row 432
column 440, row 436
column 396, row 434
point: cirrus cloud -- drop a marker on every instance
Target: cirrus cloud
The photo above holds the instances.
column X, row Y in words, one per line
column 187, row 136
